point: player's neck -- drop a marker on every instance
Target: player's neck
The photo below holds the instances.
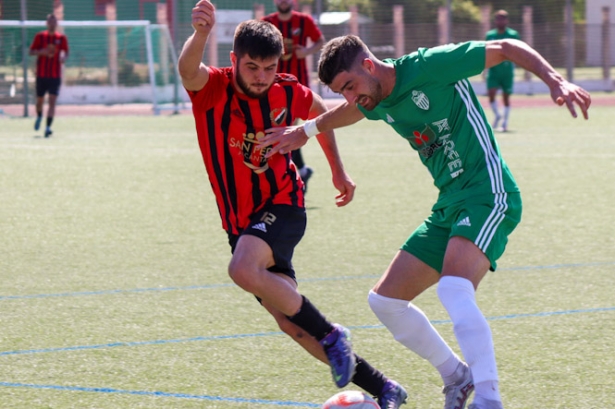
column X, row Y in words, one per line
column 389, row 78
column 285, row 16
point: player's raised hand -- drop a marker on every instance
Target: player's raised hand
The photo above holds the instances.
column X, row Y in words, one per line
column 569, row 94
column 203, row 16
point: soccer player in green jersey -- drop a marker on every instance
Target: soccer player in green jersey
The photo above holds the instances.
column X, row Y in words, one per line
column 502, row 75
column 436, row 110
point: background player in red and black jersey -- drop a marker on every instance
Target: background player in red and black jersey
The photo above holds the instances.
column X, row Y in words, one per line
column 296, row 28
column 260, row 200
column 51, row 48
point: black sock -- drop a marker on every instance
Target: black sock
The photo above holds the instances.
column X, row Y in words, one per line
column 49, row 121
column 39, row 114
column 311, row 320
column 298, row 158
column 368, row 378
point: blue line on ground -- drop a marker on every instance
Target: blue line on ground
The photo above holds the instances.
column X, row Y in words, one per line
column 160, row 394
column 210, row 286
column 268, row 334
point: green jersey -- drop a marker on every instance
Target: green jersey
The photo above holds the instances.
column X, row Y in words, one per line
column 434, row 107
column 505, row 67
column 496, row 35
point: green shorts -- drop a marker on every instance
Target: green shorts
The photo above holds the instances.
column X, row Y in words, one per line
column 501, row 78
column 486, row 220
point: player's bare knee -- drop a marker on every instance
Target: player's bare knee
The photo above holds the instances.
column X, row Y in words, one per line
column 243, row 275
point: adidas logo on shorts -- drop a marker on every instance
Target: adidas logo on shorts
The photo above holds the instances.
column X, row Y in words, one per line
column 465, row 222
column 260, row 226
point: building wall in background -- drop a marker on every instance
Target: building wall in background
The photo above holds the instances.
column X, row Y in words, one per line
column 593, row 12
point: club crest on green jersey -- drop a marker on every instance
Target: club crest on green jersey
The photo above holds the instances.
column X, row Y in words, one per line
column 420, row 99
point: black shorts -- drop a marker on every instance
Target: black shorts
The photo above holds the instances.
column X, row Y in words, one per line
column 281, row 227
column 47, row 85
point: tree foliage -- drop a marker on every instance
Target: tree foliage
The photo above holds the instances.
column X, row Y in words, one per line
column 464, row 11
column 544, row 11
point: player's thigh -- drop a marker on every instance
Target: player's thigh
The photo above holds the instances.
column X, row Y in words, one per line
column 417, row 265
column 507, row 84
column 428, row 242
column 41, row 87
column 251, row 252
column 486, row 222
column 406, row 277
column 493, row 82
column 274, row 232
column 464, row 259
column 52, row 86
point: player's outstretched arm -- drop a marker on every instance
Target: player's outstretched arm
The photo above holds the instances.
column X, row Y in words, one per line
column 193, row 72
column 286, row 139
column 520, row 53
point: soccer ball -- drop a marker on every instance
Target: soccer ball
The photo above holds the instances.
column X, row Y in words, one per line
column 350, row 400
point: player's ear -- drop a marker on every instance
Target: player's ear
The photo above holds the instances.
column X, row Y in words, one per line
column 233, row 57
column 368, row 65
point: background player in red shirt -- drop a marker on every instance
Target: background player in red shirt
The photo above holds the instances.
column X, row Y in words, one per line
column 260, row 199
column 51, row 48
column 296, row 28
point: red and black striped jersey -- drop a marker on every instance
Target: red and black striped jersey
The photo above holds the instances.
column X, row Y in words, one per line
column 295, row 31
column 49, row 67
column 228, row 125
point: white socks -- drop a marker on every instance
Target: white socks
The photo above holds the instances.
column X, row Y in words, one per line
column 472, row 332
column 496, row 112
column 506, row 113
column 411, row 328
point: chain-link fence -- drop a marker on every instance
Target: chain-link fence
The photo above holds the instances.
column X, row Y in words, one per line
column 583, row 52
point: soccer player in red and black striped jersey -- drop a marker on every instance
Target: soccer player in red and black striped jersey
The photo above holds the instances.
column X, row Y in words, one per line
column 296, row 28
column 51, row 48
column 260, row 200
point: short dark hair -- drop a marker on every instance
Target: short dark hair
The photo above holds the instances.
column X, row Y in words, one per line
column 259, row 39
column 339, row 55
